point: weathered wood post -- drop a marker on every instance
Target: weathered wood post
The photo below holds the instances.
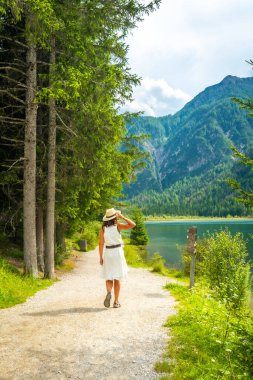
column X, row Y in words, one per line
column 83, row 245
column 191, row 248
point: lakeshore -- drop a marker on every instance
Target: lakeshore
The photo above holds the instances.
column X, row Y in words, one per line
column 192, row 218
column 169, row 237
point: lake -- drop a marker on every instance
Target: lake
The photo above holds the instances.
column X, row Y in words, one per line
column 166, row 236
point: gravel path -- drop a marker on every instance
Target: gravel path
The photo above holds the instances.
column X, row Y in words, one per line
column 64, row 332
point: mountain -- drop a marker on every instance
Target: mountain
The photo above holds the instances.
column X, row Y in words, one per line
column 196, row 140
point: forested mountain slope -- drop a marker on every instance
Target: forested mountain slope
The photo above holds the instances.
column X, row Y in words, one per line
column 188, row 147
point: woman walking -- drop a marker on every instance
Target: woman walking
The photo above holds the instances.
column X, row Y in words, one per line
column 112, row 259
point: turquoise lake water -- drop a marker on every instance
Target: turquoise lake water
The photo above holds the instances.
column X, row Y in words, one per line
column 165, row 237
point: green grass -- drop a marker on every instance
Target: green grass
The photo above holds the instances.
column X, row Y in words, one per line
column 208, row 342
column 16, row 288
column 158, row 265
column 176, row 274
column 135, row 256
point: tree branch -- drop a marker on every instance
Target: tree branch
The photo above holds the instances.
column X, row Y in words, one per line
column 11, row 118
column 20, row 62
column 65, row 125
column 13, row 40
column 11, row 121
column 13, row 69
column 13, row 80
column 12, row 106
column 12, row 63
column 14, row 163
column 13, row 96
column 43, row 63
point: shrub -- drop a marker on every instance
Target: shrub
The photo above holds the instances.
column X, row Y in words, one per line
column 186, row 259
column 208, row 341
column 139, row 235
column 61, row 254
column 90, row 233
column 157, row 262
column 223, row 265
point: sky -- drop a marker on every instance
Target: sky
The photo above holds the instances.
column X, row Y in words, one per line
column 186, row 46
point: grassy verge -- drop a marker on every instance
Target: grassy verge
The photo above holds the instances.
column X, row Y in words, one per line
column 16, row 288
column 208, row 342
column 69, row 263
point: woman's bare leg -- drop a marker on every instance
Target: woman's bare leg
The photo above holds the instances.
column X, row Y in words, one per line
column 116, row 290
column 109, row 285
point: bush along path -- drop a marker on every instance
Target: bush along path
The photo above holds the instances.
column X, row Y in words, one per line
column 65, row 332
column 212, row 333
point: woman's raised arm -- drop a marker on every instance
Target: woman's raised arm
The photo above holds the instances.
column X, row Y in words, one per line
column 123, row 226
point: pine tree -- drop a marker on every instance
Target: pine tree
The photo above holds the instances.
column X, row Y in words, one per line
column 244, row 195
column 139, row 235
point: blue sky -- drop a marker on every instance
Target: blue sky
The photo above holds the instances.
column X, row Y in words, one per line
column 186, row 46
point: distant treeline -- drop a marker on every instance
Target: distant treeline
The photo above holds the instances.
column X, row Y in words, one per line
column 205, row 195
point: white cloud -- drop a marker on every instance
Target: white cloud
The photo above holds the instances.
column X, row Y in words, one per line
column 191, row 44
column 156, row 98
column 137, row 106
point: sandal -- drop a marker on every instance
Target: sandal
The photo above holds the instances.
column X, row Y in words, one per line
column 116, row 305
column 107, row 299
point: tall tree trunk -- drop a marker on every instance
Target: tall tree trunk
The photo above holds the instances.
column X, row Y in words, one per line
column 50, row 213
column 40, row 237
column 29, row 201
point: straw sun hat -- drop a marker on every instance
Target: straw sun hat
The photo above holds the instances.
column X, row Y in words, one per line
column 110, row 214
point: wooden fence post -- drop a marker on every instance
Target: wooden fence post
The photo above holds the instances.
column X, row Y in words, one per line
column 191, row 248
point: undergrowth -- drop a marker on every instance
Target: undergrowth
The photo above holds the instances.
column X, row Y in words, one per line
column 212, row 333
column 16, row 288
column 208, row 341
column 9, row 250
column 89, row 232
column 135, row 256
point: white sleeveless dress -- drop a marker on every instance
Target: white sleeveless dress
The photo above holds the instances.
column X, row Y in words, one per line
column 114, row 264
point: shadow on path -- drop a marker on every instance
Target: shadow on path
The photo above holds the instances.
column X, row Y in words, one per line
column 77, row 310
column 155, row 295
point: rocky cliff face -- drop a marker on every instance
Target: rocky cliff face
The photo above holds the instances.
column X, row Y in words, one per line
column 197, row 138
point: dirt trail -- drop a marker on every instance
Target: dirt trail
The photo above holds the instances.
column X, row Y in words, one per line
column 64, row 332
